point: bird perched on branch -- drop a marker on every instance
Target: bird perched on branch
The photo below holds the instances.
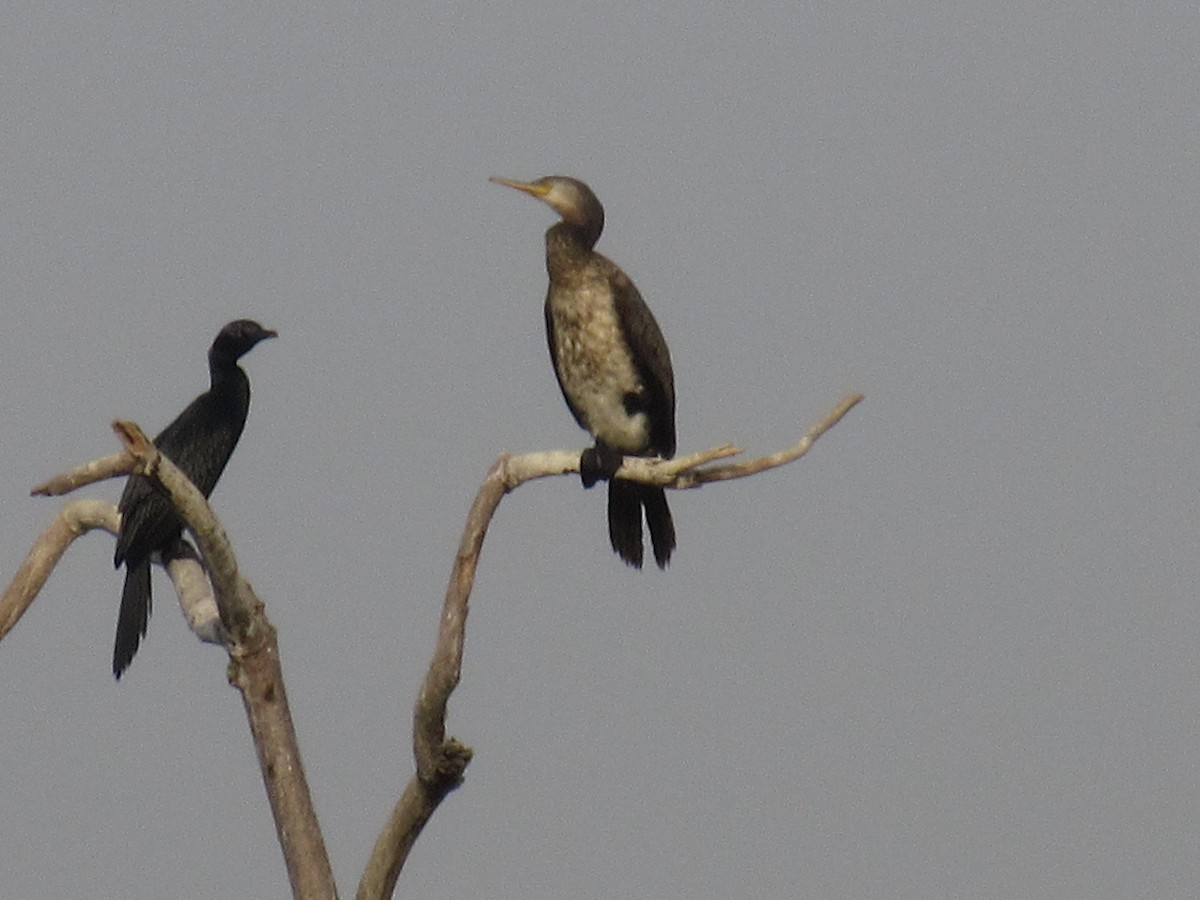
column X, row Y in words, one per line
column 612, row 364
column 200, row 442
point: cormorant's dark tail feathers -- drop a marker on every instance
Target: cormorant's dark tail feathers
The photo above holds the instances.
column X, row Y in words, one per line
column 662, row 528
column 625, row 521
column 625, row 502
column 134, row 615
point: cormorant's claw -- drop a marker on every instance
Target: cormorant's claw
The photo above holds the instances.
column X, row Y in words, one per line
column 599, row 463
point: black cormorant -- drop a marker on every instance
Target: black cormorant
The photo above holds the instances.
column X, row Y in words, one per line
column 612, row 364
column 199, row 442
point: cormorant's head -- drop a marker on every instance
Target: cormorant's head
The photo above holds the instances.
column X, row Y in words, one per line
column 237, row 339
column 569, row 197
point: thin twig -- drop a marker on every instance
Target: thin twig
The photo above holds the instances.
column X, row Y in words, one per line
column 773, row 460
column 112, row 466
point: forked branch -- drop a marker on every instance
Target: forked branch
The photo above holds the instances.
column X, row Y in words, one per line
column 255, row 670
column 253, row 649
column 248, row 635
column 441, row 761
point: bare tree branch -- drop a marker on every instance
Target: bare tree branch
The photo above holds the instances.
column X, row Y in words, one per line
column 773, row 460
column 76, row 519
column 111, row 466
column 251, row 640
column 440, row 762
column 73, row 520
column 196, row 599
column 208, row 601
column 255, row 670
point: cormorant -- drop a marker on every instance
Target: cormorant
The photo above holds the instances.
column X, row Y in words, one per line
column 612, row 364
column 200, row 442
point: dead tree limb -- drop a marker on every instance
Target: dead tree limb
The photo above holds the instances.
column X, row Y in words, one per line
column 75, row 519
column 253, row 647
column 220, row 606
column 111, row 466
column 255, row 670
column 441, row 761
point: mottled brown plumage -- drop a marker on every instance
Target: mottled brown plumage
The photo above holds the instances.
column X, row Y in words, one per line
column 612, row 364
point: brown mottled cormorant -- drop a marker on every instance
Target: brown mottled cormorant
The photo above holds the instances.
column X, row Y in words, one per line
column 200, row 442
column 612, row 364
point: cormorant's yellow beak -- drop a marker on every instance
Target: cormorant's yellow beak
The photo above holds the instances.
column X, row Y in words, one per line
column 534, row 188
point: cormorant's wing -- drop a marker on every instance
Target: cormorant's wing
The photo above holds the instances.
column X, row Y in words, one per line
column 652, row 358
column 199, row 441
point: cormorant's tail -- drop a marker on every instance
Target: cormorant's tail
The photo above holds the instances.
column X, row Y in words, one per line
column 662, row 528
column 134, row 615
column 625, row 521
column 625, row 502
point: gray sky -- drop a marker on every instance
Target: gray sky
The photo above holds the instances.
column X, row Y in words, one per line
column 950, row 654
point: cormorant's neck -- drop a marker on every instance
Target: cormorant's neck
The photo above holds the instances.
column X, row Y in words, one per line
column 568, row 247
column 221, row 368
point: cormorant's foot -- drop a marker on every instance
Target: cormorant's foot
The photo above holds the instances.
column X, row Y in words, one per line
column 599, row 463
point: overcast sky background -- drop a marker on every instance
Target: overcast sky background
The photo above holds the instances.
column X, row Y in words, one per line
column 952, row 653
